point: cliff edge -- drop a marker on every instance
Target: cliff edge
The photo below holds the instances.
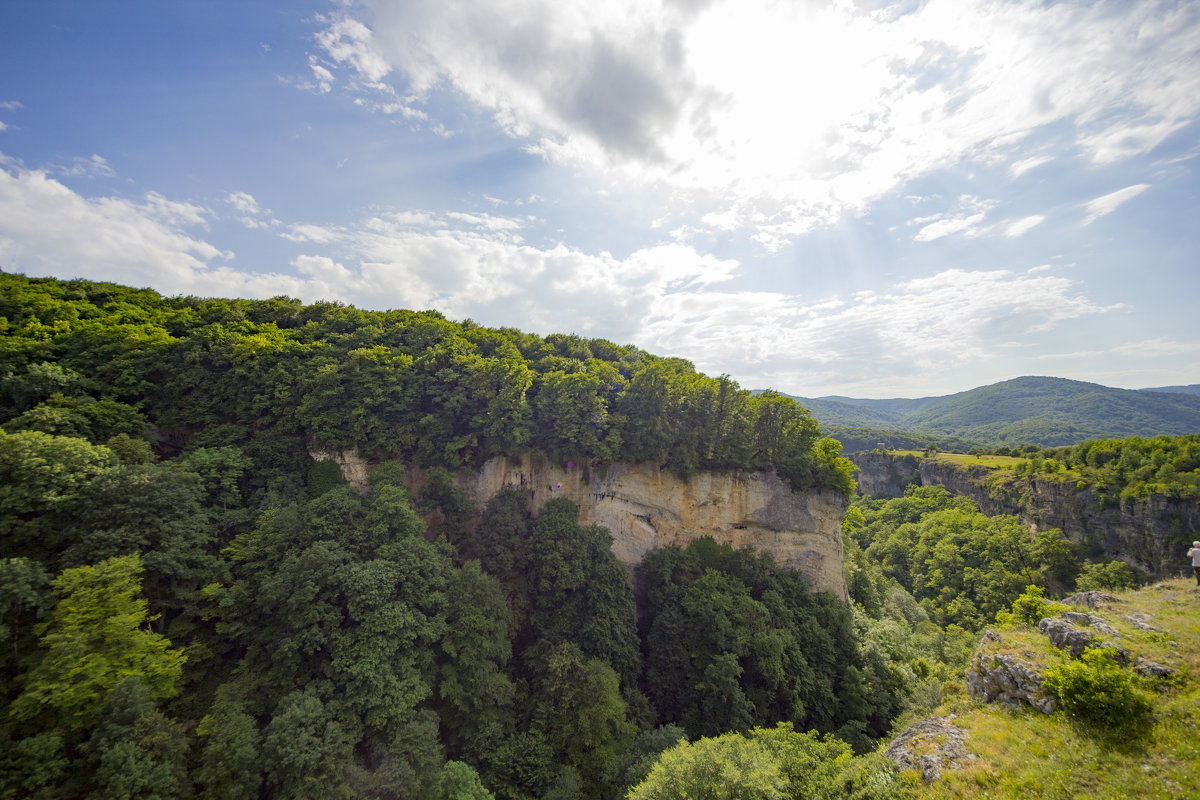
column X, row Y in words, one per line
column 645, row 507
column 1149, row 533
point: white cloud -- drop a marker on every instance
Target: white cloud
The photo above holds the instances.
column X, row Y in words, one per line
column 967, row 219
column 349, row 41
column 1109, row 203
column 91, row 167
column 243, row 202
column 252, row 216
column 47, row 229
column 669, row 298
column 1019, row 168
column 1020, row 227
column 323, row 77
column 1162, row 346
column 782, row 117
column 474, row 265
column 947, row 226
column 931, row 325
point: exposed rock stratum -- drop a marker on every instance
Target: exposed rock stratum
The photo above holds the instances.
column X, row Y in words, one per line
column 645, row 507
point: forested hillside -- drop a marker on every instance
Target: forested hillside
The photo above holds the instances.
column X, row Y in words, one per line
column 192, row 607
column 276, row 376
column 1032, row 410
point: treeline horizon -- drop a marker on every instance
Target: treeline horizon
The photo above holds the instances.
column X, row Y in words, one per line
column 97, row 359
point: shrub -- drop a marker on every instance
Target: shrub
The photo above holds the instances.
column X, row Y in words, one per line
column 1112, row 576
column 1029, row 608
column 1099, row 693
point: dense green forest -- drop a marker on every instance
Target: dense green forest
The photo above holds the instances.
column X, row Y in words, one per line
column 962, row 566
column 275, row 377
column 1050, row 412
column 190, row 606
column 1118, row 469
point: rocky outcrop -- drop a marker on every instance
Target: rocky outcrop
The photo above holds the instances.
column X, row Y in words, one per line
column 1094, row 599
column 1092, row 621
column 1153, row 669
column 645, row 507
column 1066, row 636
column 998, row 675
column 1141, row 622
column 1144, row 533
column 354, row 467
column 1007, row 679
column 930, row 746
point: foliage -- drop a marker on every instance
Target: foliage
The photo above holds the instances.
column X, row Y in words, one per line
column 730, row 642
column 459, row 781
column 768, row 763
column 1099, row 693
column 136, row 750
column 191, row 605
column 93, row 641
column 97, row 360
column 1110, row 576
column 963, row 566
column 1117, row 470
column 1030, row 608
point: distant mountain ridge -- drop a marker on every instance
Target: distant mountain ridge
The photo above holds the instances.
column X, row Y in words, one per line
column 1051, row 412
column 1193, row 388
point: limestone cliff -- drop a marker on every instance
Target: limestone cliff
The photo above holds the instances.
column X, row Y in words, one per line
column 1151, row 534
column 645, row 507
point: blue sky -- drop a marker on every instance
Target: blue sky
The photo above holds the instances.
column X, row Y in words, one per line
column 856, row 198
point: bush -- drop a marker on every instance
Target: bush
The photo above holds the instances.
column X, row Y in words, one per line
column 1112, row 576
column 1099, row 693
column 1029, row 608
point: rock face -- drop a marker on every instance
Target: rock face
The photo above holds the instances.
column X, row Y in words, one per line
column 645, row 507
column 1005, row 678
column 1140, row 532
column 1065, row 636
column 354, row 467
column 1094, row 599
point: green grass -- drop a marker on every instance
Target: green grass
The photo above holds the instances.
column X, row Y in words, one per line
column 1026, row 755
column 990, row 462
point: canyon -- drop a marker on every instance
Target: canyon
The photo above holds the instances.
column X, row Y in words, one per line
column 1151, row 534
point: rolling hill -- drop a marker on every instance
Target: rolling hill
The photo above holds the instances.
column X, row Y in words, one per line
column 1037, row 410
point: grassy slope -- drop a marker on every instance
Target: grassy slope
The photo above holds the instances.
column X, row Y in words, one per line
column 1024, row 755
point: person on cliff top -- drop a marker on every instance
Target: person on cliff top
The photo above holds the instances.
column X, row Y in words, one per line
column 1195, row 554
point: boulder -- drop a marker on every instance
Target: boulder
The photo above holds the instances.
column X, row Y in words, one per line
column 930, row 746
column 1092, row 621
column 1066, row 636
column 1093, row 599
column 1007, row 679
column 1141, row 622
column 1153, row 669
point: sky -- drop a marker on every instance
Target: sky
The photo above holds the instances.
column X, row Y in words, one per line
column 869, row 199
